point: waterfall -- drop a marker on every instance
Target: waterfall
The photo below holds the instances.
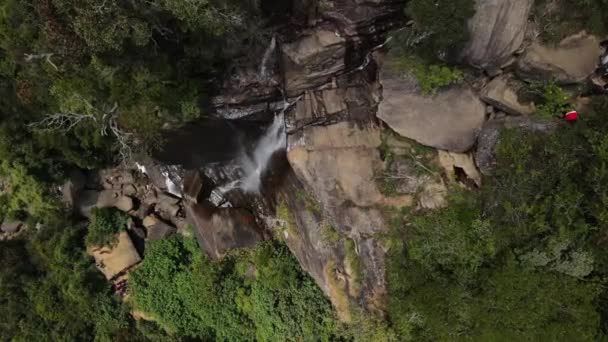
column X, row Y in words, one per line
column 254, row 164
column 267, row 55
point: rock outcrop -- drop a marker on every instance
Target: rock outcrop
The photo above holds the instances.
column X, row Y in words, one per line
column 501, row 93
column 497, row 32
column 449, row 120
column 573, row 60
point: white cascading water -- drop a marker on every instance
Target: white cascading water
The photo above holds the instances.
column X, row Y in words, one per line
column 267, row 54
column 254, row 164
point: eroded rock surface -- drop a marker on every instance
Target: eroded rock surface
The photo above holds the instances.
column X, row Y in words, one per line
column 497, row 32
column 449, row 120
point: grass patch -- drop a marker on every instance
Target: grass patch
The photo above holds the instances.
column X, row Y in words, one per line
column 288, row 220
column 353, row 261
column 337, row 292
column 329, row 234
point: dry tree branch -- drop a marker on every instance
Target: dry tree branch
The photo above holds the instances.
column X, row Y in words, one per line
column 108, row 125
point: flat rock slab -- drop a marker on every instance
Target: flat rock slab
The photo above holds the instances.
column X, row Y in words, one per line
column 502, row 94
column 449, row 120
column 497, row 31
column 572, row 61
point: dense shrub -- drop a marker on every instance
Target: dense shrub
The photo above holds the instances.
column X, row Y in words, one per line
column 524, row 259
column 50, row 291
column 105, row 225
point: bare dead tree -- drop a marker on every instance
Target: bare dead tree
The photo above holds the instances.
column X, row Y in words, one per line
column 105, row 120
column 29, row 57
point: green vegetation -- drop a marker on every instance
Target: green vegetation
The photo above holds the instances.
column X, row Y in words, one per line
column 554, row 101
column 50, row 291
column 310, row 202
column 523, row 259
column 258, row 294
column 445, row 21
column 288, row 221
column 431, row 77
column 84, row 80
column 105, row 225
column 440, row 27
column 329, row 234
column 352, row 261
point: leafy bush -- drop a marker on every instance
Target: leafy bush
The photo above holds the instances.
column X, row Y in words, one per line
column 430, row 77
column 555, row 101
column 455, row 239
column 105, row 225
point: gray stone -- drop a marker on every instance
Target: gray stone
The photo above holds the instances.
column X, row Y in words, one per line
column 159, row 230
column 572, row 61
column 449, row 120
column 125, row 204
column 129, row 190
column 497, row 31
column 11, row 227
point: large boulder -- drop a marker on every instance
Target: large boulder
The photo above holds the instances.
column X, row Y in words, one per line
column 113, row 260
column 501, row 93
column 497, row 31
column 219, row 231
column 573, row 60
column 449, row 120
